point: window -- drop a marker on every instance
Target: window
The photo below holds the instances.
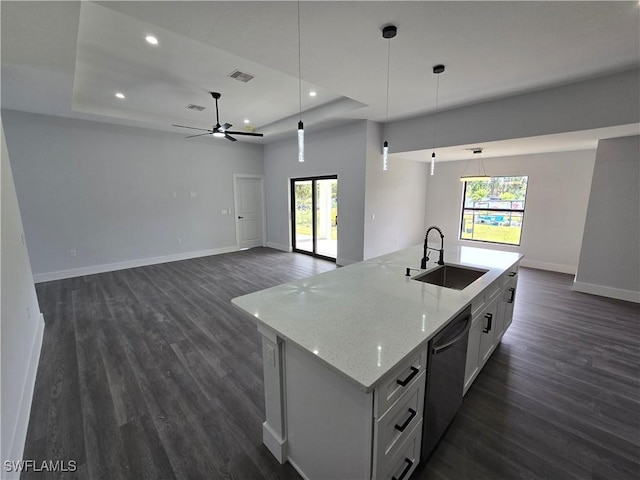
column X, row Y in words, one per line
column 493, row 211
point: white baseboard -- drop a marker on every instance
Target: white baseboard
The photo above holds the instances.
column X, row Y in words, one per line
column 143, row 262
column 553, row 267
column 298, row 469
column 276, row 445
column 16, row 447
column 628, row 295
column 279, row 246
column 343, row 262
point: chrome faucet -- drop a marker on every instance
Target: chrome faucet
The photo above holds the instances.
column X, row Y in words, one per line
column 425, row 255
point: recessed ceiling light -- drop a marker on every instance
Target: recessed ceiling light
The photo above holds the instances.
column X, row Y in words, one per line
column 151, row 39
column 120, row 95
column 312, row 93
column 246, row 120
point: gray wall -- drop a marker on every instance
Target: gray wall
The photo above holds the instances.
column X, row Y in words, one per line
column 22, row 325
column 337, row 151
column 555, row 212
column 610, row 256
column 107, row 192
column 395, row 200
column 600, row 102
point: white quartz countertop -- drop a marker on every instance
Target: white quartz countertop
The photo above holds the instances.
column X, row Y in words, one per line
column 363, row 319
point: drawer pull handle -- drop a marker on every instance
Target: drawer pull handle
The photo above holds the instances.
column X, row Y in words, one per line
column 512, row 274
column 513, row 295
column 405, row 471
column 489, row 317
column 401, row 428
column 403, row 383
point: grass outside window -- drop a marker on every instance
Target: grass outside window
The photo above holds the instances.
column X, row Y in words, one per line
column 493, row 211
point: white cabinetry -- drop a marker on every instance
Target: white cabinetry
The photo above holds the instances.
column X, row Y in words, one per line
column 492, row 313
column 489, row 321
column 367, row 435
column 507, row 301
column 399, row 425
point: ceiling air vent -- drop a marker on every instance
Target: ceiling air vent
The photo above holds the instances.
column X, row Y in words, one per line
column 199, row 108
column 241, row 76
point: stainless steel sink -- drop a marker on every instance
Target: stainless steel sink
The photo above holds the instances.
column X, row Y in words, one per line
column 451, row 276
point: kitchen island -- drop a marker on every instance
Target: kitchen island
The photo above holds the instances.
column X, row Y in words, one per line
column 345, row 355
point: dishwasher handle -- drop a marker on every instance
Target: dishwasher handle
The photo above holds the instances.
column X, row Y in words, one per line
column 441, row 348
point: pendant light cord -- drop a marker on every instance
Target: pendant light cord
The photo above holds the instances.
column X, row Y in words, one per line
column 435, row 115
column 299, row 64
column 386, row 120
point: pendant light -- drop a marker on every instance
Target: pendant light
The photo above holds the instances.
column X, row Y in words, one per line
column 300, row 124
column 388, row 32
column 480, row 177
column 437, row 70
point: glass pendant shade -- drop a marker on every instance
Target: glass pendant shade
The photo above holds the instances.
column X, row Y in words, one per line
column 385, row 156
column 300, row 142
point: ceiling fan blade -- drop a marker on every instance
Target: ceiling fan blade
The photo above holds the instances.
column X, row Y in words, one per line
column 225, row 127
column 251, row 134
column 193, row 128
column 198, row 135
column 229, row 137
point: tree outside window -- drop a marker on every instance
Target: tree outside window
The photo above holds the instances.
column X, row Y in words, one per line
column 493, row 211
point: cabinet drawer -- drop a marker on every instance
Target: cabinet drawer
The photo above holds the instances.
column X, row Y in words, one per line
column 401, row 465
column 398, row 381
column 510, row 276
column 392, row 429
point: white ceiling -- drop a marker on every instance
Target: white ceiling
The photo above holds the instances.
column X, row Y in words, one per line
column 69, row 59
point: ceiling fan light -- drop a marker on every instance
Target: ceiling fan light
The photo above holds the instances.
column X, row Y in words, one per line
column 218, row 134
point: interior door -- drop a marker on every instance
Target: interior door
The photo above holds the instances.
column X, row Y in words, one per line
column 314, row 215
column 249, row 205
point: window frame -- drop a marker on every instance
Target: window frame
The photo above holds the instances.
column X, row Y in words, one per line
column 498, row 210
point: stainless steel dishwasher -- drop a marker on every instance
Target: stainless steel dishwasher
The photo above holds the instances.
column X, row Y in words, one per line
column 445, row 379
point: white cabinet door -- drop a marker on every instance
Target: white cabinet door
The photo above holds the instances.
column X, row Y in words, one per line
column 487, row 337
column 473, row 352
column 509, row 300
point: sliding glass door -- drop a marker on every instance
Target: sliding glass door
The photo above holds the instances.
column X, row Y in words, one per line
column 314, row 214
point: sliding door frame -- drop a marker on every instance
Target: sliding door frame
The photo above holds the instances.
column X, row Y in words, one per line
column 314, row 226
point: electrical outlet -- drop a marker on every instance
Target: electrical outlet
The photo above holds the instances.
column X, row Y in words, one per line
column 179, row 241
column 193, row 194
column 175, row 194
column 73, row 253
column 223, row 211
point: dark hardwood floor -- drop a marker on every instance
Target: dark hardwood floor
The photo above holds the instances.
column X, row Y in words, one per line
column 559, row 398
column 151, row 373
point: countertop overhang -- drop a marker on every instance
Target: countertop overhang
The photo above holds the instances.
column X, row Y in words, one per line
column 363, row 319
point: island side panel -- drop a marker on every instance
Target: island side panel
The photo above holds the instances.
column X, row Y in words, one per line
column 329, row 420
column 274, row 433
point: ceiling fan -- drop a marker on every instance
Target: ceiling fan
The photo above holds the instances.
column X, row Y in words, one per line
column 219, row 130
